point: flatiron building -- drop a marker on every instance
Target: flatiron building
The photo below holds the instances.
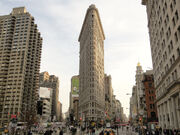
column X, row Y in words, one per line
column 91, row 72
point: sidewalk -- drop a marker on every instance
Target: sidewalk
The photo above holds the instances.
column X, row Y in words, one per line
column 85, row 132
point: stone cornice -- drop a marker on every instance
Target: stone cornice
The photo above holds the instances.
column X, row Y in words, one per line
column 167, row 89
column 91, row 7
column 144, row 2
column 175, row 64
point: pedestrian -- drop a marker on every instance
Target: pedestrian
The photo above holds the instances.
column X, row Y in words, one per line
column 156, row 132
column 51, row 131
column 87, row 131
column 171, row 132
column 61, row 132
column 147, row 132
column 47, row 132
column 164, row 131
column 176, row 131
column 74, row 131
column 93, row 131
column 102, row 132
column 29, row 132
column 127, row 128
column 160, row 131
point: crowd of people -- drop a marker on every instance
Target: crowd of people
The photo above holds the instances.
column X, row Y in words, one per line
column 171, row 131
column 159, row 131
column 49, row 132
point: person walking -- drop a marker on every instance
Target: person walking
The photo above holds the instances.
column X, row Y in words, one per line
column 61, row 132
column 48, row 132
column 93, row 131
column 29, row 132
column 160, row 131
column 102, row 132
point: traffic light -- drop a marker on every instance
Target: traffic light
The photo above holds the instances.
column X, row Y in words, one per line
column 140, row 119
column 39, row 107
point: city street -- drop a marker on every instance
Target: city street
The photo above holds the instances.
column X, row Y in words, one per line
column 121, row 131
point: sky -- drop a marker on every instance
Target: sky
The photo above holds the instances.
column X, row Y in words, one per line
column 60, row 21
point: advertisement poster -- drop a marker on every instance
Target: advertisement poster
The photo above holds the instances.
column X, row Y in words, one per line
column 45, row 92
column 75, row 87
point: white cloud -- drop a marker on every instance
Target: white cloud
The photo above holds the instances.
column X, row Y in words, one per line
column 60, row 22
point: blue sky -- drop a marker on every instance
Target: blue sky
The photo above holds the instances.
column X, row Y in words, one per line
column 60, row 22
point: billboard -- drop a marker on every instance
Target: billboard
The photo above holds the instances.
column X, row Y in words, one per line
column 75, row 87
column 45, row 92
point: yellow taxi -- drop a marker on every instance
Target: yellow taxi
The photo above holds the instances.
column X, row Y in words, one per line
column 109, row 131
column 6, row 131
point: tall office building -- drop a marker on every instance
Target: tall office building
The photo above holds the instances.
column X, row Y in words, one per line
column 74, row 98
column 134, row 106
column 108, row 96
column 140, row 92
column 74, row 93
column 164, row 32
column 44, row 104
column 92, row 93
column 51, row 81
column 150, row 96
column 59, row 111
column 20, row 54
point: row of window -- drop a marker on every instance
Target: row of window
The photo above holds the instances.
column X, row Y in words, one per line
column 151, row 98
column 152, row 106
column 171, row 78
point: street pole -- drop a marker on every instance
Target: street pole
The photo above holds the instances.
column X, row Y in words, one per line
column 142, row 126
column 117, row 131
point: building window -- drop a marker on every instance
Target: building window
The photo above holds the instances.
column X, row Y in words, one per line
column 176, row 37
column 171, row 6
column 173, row 20
column 153, row 115
column 173, row 58
column 150, row 85
column 175, row 74
column 178, row 51
column 174, row 2
column 178, row 30
column 176, row 15
column 151, row 106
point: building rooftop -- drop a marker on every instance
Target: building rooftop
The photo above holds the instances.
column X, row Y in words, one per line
column 18, row 10
column 138, row 64
column 92, row 6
